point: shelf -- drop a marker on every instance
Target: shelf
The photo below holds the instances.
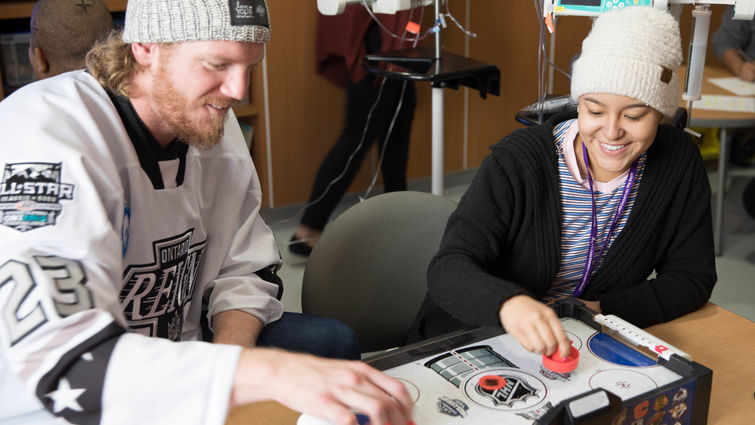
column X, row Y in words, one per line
column 245, row 111
column 16, row 9
column 116, row 5
column 22, row 9
column 449, row 71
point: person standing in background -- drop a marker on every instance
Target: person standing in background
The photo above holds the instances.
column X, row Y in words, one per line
column 342, row 41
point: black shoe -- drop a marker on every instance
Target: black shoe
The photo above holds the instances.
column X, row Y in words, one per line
column 298, row 247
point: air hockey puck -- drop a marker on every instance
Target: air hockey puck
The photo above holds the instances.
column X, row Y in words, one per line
column 492, row 382
column 557, row 364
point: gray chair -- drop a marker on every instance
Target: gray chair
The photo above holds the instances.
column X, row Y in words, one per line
column 368, row 268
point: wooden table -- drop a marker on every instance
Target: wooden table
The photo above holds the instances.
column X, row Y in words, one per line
column 714, row 337
column 265, row 413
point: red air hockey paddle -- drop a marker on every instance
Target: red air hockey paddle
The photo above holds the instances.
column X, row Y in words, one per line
column 557, row 364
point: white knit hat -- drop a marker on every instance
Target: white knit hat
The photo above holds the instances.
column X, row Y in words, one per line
column 175, row 21
column 635, row 52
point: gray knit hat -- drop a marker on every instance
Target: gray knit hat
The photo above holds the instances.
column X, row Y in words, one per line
column 635, row 52
column 175, row 21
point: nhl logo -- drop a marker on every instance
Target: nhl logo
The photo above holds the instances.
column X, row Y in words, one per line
column 505, row 389
column 515, row 390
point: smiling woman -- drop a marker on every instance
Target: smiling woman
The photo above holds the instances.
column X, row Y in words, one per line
column 587, row 206
column 144, row 256
column 614, row 130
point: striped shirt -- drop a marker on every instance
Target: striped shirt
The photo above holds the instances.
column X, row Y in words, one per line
column 577, row 212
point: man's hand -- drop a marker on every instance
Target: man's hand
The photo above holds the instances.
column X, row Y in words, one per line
column 325, row 388
column 535, row 325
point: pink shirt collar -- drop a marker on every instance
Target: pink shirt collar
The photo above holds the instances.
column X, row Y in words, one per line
column 572, row 164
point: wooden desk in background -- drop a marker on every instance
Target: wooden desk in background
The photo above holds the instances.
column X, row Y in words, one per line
column 714, row 337
column 711, row 118
column 724, row 120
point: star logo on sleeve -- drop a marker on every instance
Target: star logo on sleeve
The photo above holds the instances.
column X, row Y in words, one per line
column 65, row 397
column 72, row 390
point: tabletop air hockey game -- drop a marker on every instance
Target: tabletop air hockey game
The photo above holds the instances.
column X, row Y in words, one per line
column 621, row 376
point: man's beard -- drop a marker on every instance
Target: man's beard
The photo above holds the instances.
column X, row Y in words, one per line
column 172, row 106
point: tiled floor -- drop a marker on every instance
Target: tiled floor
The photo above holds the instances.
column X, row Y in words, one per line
column 734, row 291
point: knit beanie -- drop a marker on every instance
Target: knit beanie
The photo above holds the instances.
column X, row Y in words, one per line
column 635, row 52
column 175, row 21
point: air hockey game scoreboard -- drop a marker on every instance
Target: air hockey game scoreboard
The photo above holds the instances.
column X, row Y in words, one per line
column 625, row 376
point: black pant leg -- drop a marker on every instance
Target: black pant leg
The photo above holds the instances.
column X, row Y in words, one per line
column 359, row 99
column 396, row 151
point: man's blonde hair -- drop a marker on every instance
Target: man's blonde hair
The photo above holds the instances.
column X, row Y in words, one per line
column 111, row 62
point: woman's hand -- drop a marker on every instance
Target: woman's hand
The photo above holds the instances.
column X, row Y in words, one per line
column 535, row 325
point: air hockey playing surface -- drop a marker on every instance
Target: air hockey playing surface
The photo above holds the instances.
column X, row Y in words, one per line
column 625, row 376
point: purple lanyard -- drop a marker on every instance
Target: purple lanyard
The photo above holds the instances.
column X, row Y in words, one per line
column 594, row 222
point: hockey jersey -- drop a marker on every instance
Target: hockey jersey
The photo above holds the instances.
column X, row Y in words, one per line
column 103, row 272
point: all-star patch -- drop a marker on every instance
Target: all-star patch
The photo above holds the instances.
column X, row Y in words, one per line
column 248, row 12
column 452, row 406
column 30, row 195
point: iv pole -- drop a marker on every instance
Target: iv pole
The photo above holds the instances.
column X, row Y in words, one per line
column 438, row 141
column 449, row 69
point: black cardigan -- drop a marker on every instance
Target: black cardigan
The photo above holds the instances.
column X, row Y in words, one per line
column 504, row 239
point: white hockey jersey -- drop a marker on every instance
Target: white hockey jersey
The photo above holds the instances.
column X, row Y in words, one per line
column 95, row 262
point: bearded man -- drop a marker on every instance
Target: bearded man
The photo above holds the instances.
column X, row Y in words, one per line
column 129, row 215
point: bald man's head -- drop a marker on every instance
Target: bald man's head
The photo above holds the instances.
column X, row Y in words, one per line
column 63, row 31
